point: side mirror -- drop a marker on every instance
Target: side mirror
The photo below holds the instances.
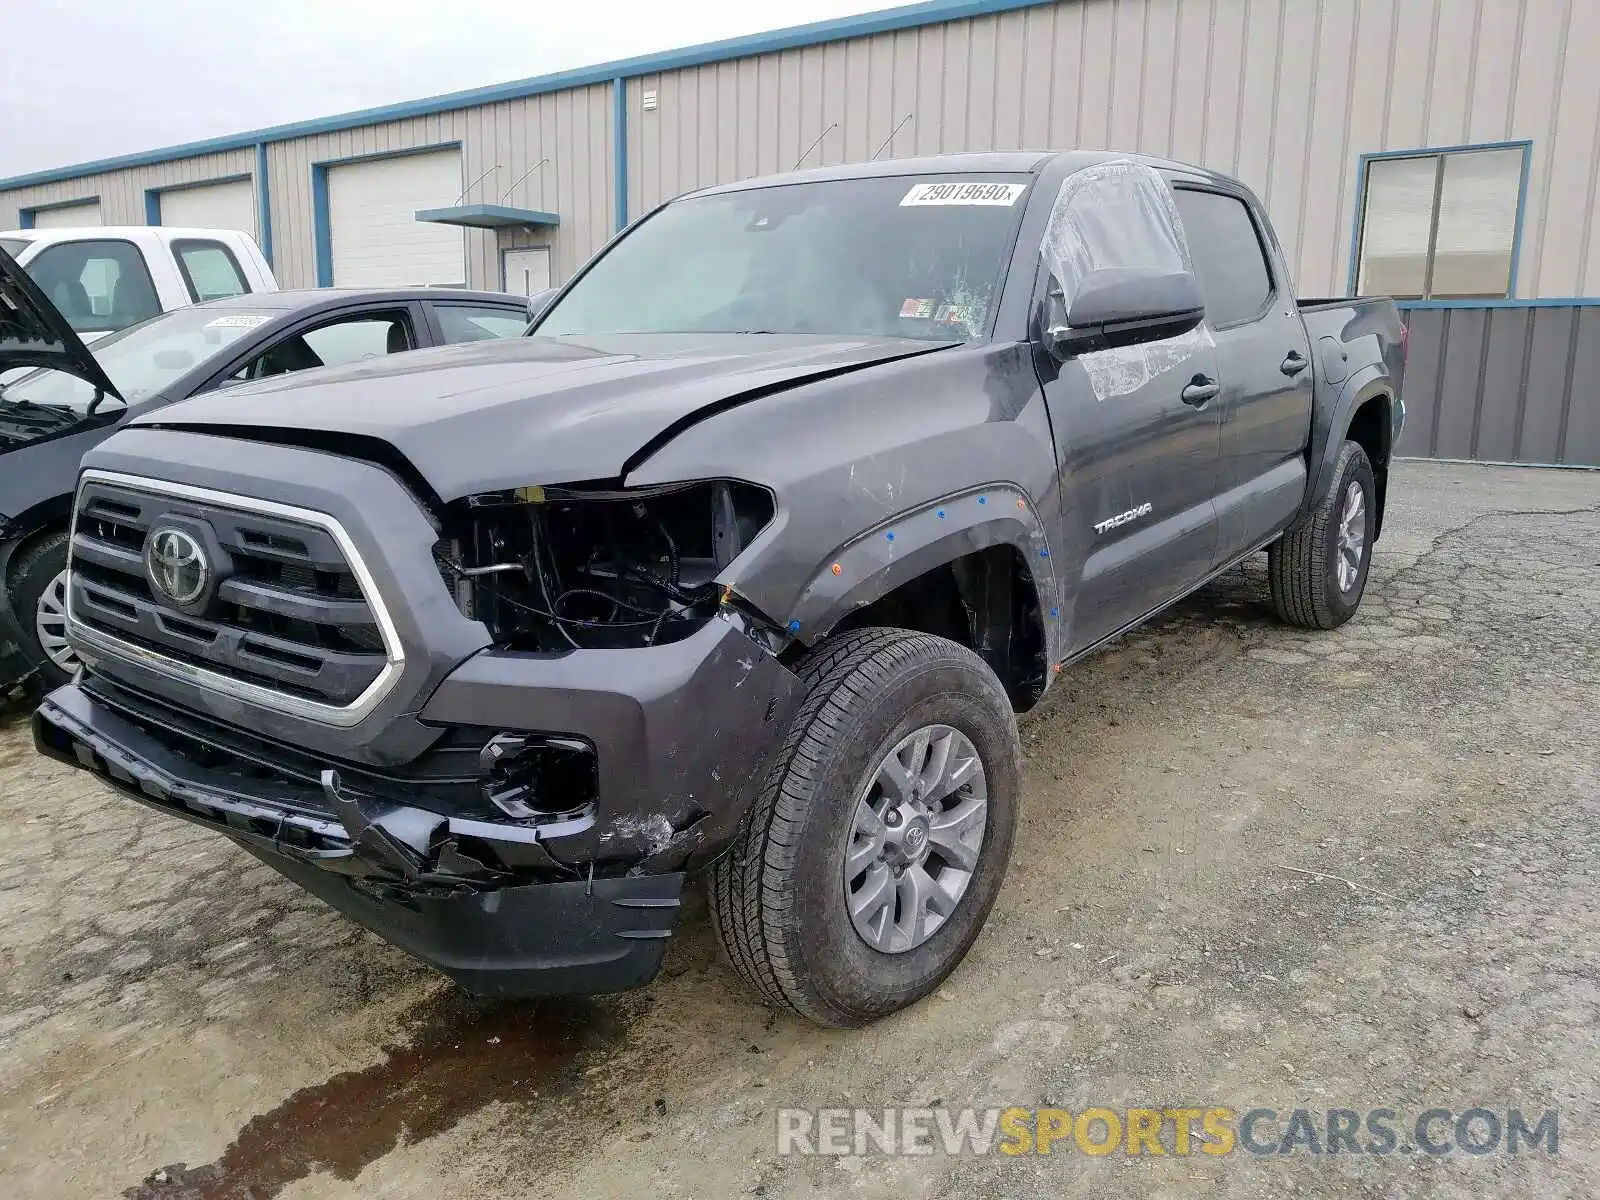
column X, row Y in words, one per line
column 1125, row 306
column 540, row 301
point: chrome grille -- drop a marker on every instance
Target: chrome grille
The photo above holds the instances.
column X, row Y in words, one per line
column 288, row 620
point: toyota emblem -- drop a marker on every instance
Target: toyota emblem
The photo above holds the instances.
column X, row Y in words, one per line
column 176, row 564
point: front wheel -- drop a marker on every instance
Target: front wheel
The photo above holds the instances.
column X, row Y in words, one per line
column 39, row 601
column 875, row 849
column 1318, row 571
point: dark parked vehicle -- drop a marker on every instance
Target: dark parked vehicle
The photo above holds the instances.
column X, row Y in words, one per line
column 493, row 647
column 78, row 397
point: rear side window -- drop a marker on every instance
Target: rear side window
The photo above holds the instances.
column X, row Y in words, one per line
column 97, row 285
column 1228, row 259
column 472, row 323
column 210, row 271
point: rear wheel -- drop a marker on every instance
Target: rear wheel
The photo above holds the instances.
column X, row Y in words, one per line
column 870, row 859
column 1318, row 571
column 39, row 600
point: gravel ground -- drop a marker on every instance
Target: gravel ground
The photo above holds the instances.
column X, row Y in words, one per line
column 1256, row 867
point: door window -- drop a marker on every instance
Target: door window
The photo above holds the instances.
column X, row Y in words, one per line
column 470, row 323
column 1229, row 263
column 334, row 344
column 97, row 284
column 210, row 271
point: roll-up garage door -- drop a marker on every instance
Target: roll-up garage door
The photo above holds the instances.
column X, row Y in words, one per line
column 376, row 238
column 71, row 216
column 212, row 206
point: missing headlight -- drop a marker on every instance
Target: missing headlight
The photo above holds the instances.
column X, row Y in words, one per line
column 550, row 569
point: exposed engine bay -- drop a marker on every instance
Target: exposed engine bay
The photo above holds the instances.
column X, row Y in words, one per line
column 549, row 569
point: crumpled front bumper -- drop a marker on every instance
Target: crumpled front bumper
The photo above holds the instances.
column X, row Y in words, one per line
column 484, row 928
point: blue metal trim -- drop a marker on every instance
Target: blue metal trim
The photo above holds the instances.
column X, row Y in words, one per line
column 1522, row 205
column 401, row 152
column 322, row 235
column 619, row 150
column 321, row 232
column 1355, row 225
column 263, row 203
column 1543, row 302
column 24, row 218
column 487, row 216
column 930, row 12
column 152, row 206
column 1523, row 144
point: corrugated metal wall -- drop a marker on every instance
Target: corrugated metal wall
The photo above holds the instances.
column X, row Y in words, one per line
column 572, row 128
column 1286, row 94
column 122, row 192
column 1504, row 385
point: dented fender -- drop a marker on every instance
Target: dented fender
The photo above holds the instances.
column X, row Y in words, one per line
column 681, row 732
column 881, row 559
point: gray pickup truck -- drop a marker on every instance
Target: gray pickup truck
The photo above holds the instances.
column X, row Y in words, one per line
column 740, row 566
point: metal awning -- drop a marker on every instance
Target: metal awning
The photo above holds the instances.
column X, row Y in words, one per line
column 489, row 216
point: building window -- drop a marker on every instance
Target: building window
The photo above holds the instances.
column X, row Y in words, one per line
column 1440, row 225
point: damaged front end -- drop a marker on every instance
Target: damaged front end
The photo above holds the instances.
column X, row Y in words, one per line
column 600, row 750
column 550, row 569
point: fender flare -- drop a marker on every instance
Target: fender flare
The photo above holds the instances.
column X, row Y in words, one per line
column 1364, row 385
column 916, row 541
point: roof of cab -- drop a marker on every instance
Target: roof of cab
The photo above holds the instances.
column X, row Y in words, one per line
column 1029, row 162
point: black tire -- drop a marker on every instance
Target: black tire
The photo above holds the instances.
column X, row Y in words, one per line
column 32, row 574
column 778, row 897
column 1303, row 565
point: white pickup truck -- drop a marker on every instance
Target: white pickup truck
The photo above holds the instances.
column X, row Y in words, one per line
column 106, row 277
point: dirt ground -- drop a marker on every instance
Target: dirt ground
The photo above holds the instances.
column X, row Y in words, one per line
column 176, row 1020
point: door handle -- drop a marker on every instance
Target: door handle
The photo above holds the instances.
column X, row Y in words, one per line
column 1201, row 388
column 1294, row 364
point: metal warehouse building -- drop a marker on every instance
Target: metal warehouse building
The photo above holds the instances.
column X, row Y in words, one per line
column 1445, row 151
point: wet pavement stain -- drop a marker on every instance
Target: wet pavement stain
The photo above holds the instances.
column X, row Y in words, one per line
column 464, row 1056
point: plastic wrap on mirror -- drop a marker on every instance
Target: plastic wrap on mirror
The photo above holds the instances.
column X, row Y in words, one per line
column 1119, row 214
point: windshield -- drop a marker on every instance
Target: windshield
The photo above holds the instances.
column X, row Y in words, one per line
column 140, row 360
column 904, row 256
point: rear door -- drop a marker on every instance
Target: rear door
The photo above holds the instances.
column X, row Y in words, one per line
column 1263, row 358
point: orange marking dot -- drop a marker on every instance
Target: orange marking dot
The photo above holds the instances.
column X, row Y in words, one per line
column 837, row 569
column 1020, row 504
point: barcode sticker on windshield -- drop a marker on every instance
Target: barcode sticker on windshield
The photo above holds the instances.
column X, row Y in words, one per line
column 1002, row 195
column 237, row 321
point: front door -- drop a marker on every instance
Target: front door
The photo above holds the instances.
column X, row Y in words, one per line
column 527, row 271
column 1136, row 427
column 1138, row 475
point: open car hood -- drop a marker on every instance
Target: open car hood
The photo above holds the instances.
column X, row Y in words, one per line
column 488, row 416
column 33, row 333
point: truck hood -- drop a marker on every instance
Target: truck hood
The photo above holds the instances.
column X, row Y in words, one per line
column 493, row 415
column 33, row 333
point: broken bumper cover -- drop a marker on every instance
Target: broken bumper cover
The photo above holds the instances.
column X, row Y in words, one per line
column 399, row 871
